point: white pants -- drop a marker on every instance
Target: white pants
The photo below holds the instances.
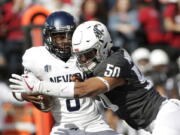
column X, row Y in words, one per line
column 168, row 119
column 80, row 132
column 93, row 129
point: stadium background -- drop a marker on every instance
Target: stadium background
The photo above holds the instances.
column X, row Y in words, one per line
column 133, row 24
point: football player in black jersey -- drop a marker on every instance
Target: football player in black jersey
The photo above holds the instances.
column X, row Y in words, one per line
column 117, row 80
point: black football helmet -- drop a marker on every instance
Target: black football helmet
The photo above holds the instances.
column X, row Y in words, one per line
column 57, row 32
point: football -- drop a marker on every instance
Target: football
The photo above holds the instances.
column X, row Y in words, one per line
column 45, row 104
column 42, row 102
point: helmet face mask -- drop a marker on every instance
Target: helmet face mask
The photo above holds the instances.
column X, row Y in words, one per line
column 87, row 60
column 57, row 33
column 62, row 44
column 86, row 56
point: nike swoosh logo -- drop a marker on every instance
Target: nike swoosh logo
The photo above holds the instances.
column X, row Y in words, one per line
column 29, row 87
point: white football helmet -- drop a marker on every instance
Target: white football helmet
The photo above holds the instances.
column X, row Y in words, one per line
column 141, row 58
column 159, row 57
column 140, row 53
column 91, row 43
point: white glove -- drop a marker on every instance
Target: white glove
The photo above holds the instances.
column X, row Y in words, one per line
column 27, row 83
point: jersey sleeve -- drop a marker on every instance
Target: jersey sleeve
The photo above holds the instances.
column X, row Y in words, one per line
column 30, row 60
column 114, row 66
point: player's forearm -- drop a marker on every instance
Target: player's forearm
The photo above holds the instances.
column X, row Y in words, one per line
column 89, row 88
column 96, row 85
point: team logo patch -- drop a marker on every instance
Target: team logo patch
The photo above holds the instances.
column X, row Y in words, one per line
column 47, row 68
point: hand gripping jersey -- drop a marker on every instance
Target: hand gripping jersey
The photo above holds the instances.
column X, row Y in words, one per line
column 67, row 112
column 136, row 102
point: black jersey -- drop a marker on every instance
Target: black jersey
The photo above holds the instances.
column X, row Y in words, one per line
column 137, row 101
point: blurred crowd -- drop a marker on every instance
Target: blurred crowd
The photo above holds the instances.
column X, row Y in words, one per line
column 148, row 29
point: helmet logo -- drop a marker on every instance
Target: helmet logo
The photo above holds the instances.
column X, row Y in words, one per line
column 99, row 32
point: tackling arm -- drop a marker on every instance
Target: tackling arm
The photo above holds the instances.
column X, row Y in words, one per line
column 90, row 87
column 95, row 86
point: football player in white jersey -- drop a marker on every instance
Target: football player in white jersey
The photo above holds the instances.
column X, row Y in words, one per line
column 54, row 62
column 125, row 89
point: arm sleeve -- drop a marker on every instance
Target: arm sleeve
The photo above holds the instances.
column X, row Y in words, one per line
column 30, row 60
column 62, row 89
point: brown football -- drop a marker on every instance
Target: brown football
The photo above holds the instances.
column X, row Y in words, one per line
column 45, row 104
column 42, row 102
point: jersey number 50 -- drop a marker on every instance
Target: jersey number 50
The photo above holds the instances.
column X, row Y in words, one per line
column 112, row 71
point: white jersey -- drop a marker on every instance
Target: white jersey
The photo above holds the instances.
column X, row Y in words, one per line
column 67, row 112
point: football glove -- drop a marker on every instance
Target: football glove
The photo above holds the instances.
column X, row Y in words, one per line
column 27, row 83
column 30, row 84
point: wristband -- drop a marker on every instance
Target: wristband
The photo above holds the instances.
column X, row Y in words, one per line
column 105, row 82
